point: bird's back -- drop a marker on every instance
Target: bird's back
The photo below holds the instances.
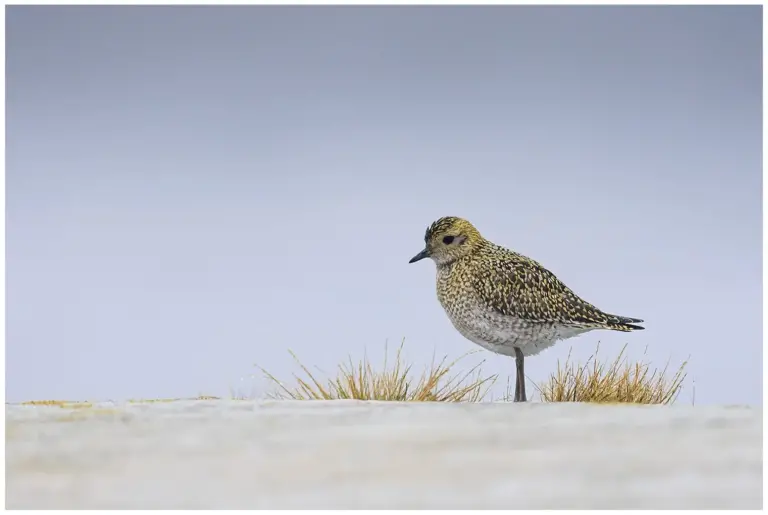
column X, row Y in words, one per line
column 496, row 294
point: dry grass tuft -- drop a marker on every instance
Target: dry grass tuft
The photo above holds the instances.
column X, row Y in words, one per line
column 363, row 382
column 619, row 382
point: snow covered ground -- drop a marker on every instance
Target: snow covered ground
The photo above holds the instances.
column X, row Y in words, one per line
column 348, row 454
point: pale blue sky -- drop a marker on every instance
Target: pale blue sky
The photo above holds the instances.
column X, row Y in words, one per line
column 192, row 190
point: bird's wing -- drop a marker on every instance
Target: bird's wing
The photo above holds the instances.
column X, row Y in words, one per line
column 522, row 287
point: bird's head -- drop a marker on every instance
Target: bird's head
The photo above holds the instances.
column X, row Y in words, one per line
column 448, row 239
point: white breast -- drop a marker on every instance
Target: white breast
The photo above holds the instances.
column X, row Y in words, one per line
column 501, row 334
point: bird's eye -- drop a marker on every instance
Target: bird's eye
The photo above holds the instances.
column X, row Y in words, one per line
column 448, row 240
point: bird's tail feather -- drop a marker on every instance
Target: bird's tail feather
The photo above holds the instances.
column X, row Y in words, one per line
column 620, row 323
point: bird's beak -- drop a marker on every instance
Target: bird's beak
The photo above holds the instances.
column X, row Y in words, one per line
column 421, row 255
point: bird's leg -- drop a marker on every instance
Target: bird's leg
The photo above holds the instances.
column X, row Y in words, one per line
column 517, row 386
column 520, row 383
column 517, row 380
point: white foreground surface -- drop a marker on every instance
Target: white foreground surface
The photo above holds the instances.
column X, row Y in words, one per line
column 347, row 454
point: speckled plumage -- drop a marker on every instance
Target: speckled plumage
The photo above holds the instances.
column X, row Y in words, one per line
column 502, row 300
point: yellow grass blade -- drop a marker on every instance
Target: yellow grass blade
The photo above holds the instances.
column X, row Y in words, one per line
column 394, row 382
column 616, row 382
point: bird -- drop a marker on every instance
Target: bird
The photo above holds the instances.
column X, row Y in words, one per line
column 504, row 301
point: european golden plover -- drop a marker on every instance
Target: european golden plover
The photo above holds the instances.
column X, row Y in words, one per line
column 504, row 301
